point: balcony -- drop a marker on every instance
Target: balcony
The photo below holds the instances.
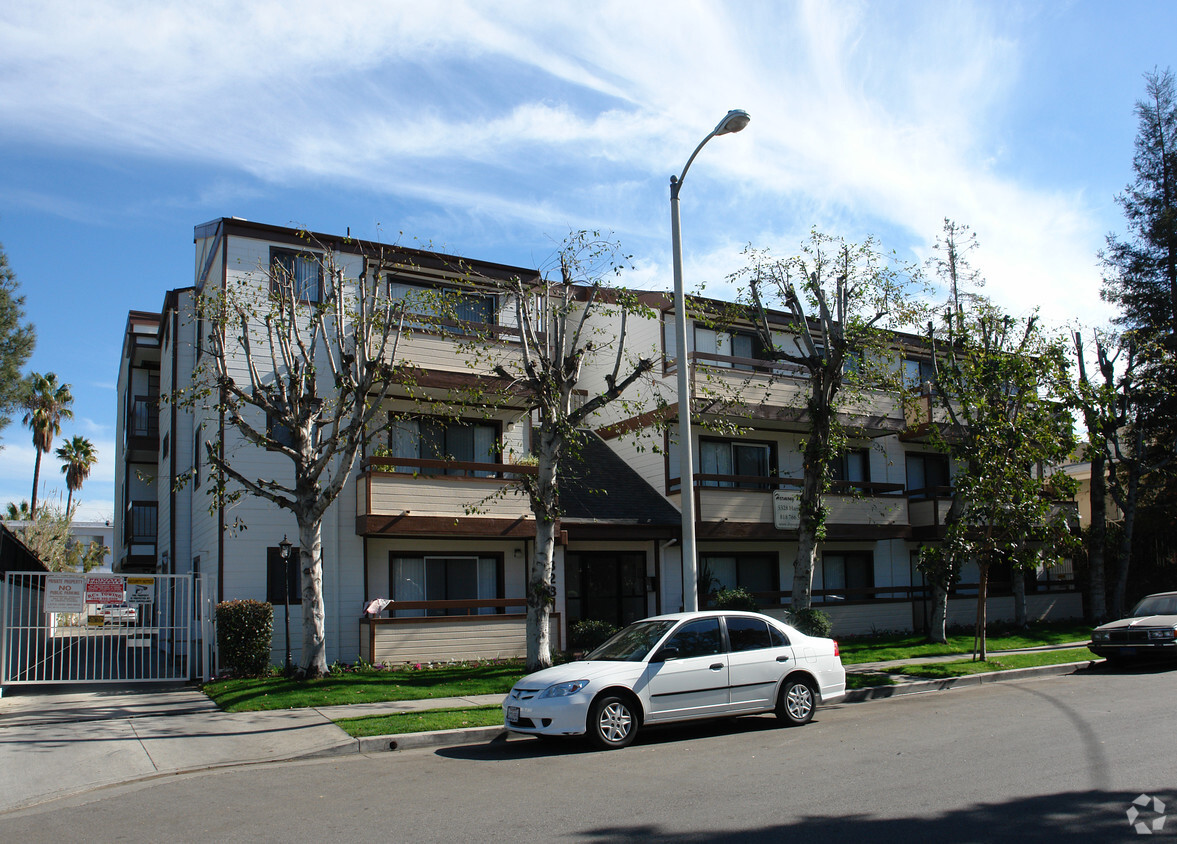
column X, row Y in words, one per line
column 143, row 429
column 735, row 506
column 408, row 496
column 774, row 394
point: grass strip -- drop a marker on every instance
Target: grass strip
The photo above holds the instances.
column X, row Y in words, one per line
column 911, row 645
column 421, row 722
column 869, row 680
column 1005, row 662
column 366, row 686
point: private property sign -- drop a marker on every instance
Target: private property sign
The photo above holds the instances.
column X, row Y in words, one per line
column 65, row 593
column 104, row 589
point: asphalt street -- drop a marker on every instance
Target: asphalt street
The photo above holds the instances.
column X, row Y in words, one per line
column 1059, row 758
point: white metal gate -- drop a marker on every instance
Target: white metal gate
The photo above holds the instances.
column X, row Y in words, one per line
column 104, row 628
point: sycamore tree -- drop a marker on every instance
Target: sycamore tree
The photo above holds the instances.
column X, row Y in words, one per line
column 1001, row 382
column 565, row 321
column 844, row 300
column 298, row 361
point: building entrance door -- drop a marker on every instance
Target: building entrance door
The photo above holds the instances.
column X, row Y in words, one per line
column 605, row 586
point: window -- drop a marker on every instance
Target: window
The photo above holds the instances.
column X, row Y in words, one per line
column 278, row 432
column 697, row 638
column 426, row 438
column 754, row 572
column 735, row 344
column 471, row 307
column 278, row 572
column 445, row 578
column 300, row 272
column 748, row 634
column 163, row 448
column 852, row 467
column 197, row 447
column 917, row 373
column 845, row 572
column 726, row 457
column 926, row 472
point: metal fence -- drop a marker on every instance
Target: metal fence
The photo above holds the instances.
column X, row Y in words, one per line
column 104, row 628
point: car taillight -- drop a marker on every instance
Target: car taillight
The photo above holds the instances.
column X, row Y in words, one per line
column 836, row 651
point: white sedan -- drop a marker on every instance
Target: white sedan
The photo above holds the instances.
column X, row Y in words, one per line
column 676, row 668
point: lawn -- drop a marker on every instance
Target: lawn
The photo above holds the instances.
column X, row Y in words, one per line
column 422, row 722
column 885, row 648
column 1004, row 662
column 367, row 686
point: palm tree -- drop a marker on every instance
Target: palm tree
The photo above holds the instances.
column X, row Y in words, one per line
column 46, row 403
column 18, row 512
column 78, row 456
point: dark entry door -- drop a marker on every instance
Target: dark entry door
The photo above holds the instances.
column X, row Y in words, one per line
column 606, row 586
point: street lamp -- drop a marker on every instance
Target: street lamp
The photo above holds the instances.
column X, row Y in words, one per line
column 735, row 120
column 284, row 552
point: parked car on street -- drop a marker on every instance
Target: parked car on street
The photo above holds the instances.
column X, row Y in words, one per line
column 121, row 613
column 680, row 667
column 1150, row 630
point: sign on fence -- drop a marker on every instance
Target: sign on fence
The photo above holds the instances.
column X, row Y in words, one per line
column 65, row 593
column 104, row 589
column 140, row 590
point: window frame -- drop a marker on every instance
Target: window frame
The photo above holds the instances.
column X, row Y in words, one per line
column 277, row 255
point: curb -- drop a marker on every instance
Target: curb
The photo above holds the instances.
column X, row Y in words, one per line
column 497, row 734
column 925, row 686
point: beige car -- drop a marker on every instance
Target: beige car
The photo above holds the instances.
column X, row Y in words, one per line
column 1149, row 631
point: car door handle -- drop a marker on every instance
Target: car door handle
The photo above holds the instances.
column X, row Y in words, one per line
column 716, row 666
column 782, row 659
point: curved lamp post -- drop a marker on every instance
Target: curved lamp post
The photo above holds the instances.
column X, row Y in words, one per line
column 735, row 120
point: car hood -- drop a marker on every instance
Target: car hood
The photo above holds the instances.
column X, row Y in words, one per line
column 581, row 670
column 1142, row 621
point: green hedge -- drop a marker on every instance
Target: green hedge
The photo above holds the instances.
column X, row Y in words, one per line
column 811, row 622
column 587, row 633
column 245, row 630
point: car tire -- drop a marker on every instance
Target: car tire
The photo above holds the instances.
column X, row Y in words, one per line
column 796, row 702
column 613, row 722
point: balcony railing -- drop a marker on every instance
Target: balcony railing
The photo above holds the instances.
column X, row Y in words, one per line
column 144, row 417
column 401, row 485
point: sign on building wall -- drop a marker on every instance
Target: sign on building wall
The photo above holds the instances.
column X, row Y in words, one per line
column 104, row 589
column 65, row 593
column 786, row 509
column 140, row 590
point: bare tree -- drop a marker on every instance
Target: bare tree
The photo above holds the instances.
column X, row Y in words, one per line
column 299, row 371
column 842, row 298
column 563, row 323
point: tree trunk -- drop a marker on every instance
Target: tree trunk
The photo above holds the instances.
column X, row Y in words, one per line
column 1019, row 589
column 811, row 505
column 36, row 480
column 540, row 592
column 1097, row 607
column 313, row 661
column 981, row 651
column 938, row 631
column 1124, row 553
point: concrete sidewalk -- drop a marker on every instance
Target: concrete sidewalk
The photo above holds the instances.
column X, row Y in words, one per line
column 57, row 741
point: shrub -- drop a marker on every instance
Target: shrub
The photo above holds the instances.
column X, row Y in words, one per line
column 736, row 598
column 244, row 632
column 587, row 633
column 812, row 622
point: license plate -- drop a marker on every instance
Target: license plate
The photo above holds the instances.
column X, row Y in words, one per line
column 512, row 713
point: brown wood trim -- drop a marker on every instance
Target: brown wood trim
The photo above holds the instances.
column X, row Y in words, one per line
column 373, row 623
column 384, row 466
column 445, row 526
column 711, row 531
column 637, row 423
column 586, row 531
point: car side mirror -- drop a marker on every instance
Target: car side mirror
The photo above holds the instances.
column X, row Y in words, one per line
column 666, row 654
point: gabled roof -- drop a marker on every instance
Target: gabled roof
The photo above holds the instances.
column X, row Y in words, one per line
column 598, row 488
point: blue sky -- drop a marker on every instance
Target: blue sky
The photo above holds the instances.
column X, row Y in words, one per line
column 492, row 129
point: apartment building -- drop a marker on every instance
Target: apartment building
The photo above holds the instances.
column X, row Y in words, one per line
column 431, row 518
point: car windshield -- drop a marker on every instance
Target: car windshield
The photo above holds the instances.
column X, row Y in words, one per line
column 633, row 643
column 1156, row 605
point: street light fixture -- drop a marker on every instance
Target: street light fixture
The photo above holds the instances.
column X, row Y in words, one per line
column 734, row 121
column 284, row 552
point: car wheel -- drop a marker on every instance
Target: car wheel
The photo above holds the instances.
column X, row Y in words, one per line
column 613, row 722
column 796, row 703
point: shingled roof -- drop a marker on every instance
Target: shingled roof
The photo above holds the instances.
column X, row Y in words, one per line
column 599, row 491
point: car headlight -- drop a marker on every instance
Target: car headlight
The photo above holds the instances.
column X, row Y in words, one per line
column 1100, row 636
column 1162, row 634
column 564, row 689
